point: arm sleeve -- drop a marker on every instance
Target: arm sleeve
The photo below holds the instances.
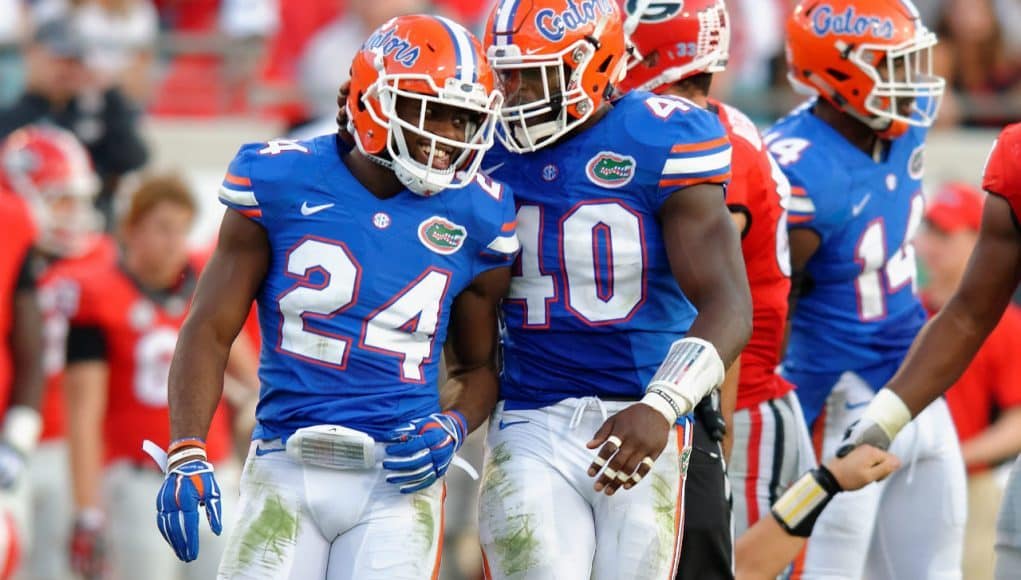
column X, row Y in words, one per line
column 698, row 152
column 499, row 241
column 237, row 191
column 85, row 343
column 27, row 279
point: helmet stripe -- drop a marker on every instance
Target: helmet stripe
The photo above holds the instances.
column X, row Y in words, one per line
column 465, row 53
column 504, row 22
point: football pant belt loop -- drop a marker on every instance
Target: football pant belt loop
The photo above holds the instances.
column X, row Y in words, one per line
column 342, row 448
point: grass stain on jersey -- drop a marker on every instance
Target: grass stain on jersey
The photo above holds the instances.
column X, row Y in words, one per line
column 269, row 535
column 425, row 521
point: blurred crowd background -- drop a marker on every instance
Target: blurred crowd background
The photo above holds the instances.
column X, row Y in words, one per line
column 180, row 84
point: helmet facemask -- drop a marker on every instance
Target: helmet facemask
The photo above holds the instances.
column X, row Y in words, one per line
column 460, row 158
column 901, row 74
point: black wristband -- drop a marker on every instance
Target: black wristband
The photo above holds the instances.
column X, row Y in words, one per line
column 800, row 506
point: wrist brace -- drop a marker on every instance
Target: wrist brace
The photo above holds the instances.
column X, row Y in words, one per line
column 689, row 372
column 799, row 507
column 888, row 412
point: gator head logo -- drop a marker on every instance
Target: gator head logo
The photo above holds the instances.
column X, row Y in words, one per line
column 441, row 235
column 608, row 169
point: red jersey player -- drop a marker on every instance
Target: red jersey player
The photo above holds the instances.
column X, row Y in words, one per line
column 50, row 170
column 677, row 51
column 120, row 343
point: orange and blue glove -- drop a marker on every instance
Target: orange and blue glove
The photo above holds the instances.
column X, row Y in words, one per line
column 423, row 450
column 189, row 484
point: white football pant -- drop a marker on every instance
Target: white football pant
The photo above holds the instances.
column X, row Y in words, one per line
column 301, row 522
column 135, row 548
column 52, row 513
column 1008, row 529
column 772, row 449
column 540, row 518
column 910, row 525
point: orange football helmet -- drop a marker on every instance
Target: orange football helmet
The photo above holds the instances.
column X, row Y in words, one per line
column 51, row 170
column 673, row 40
column 573, row 51
column 432, row 60
column 871, row 59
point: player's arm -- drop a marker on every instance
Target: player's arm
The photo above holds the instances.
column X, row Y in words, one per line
column 945, row 346
column 222, row 301
column 472, row 382
column 22, row 423
column 704, row 251
column 772, row 543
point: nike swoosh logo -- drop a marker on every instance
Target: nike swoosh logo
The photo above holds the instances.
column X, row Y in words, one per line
column 504, row 425
column 850, row 406
column 307, row 209
column 489, row 170
column 259, row 451
column 858, row 207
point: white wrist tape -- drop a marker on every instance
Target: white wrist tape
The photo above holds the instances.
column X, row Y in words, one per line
column 888, row 411
column 22, row 426
column 690, row 371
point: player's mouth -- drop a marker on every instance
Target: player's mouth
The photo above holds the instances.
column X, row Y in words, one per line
column 442, row 155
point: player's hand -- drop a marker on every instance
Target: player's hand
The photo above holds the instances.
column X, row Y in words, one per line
column 12, row 466
column 88, row 546
column 189, row 484
column 342, row 94
column 862, row 466
column 864, row 431
column 629, row 443
column 423, row 450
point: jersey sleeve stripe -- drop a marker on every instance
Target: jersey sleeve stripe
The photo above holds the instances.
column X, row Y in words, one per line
column 237, row 180
column 801, row 205
column 702, row 164
column 798, row 191
column 509, row 226
column 703, row 146
column 505, row 244
column 251, row 213
column 719, row 178
column 798, row 219
column 236, row 197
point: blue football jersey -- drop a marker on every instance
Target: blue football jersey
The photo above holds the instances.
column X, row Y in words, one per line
column 354, row 306
column 593, row 305
column 861, row 312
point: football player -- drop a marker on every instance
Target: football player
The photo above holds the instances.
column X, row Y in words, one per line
column 950, row 340
column 854, row 157
column 627, row 303
column 679, row 51
column 50, row 169
column 21, row 372
column 120, row 341
column 360, row 261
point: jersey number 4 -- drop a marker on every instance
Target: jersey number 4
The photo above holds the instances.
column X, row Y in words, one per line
column 403, row 327
column 602, row 258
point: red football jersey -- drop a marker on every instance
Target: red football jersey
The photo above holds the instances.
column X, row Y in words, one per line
column 759, row 189
column 19, row 236
column 140, row 336
column 58, row 299
column 1003, row 169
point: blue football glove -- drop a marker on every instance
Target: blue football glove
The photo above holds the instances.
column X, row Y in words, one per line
column 188, row 485
column 424, row 449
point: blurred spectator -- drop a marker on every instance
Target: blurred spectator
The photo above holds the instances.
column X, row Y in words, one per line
column 326, row 61
column 12, row 27
column 973, row 56
column 119, row 37
column 61, row 89
column 986, row 401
